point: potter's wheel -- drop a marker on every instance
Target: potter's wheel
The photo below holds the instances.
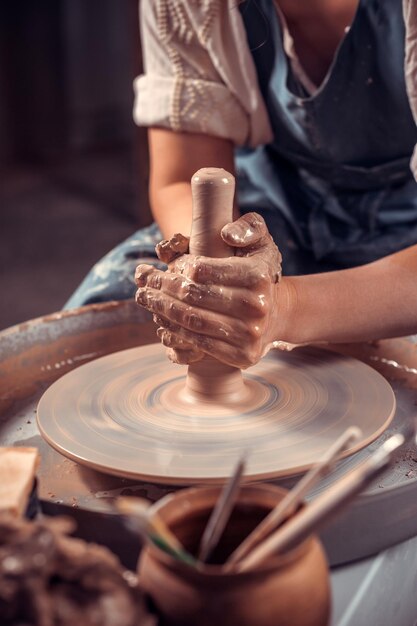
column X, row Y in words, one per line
column 127, row 414
column 35, row 354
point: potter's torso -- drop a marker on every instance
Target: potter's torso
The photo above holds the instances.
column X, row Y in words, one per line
column 317, row 29
column 360, row 115
column 345, row 142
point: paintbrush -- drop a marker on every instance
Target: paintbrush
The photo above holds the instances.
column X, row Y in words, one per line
column 139, row 517
column 221, row 512
column 294, row 498
column 318, row 512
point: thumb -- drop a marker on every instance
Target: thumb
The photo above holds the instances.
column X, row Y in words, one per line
column 249, row 231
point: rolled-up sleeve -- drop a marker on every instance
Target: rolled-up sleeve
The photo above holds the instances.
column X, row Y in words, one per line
column 199, row 75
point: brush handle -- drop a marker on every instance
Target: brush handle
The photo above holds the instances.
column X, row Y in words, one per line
column 318, row 512
column 294, row 498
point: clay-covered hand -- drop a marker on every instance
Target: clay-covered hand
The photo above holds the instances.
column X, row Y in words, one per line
column 225, row 307
column 178, row 350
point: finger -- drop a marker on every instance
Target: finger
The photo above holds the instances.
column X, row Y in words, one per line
column 179, row 351
column 184, row 357
column 169, row 249
column 211, row 297
column 171, row 340
column 142, row 272
column 236, row 356
column 217, row 325
column 248, row 231
column 251, row 238
column 228, row 272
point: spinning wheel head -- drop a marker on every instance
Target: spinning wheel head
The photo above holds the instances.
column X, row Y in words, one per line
column 116, row 415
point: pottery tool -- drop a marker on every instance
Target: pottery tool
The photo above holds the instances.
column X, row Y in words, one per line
column 139, row 518
column 18, row 466
column 221, row 512
column 322, row 508
column 135, row 414
column 294, row 498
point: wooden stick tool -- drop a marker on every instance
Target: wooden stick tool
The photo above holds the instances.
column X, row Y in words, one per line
column 294, row 498
column 221, row 512
column 320, row 510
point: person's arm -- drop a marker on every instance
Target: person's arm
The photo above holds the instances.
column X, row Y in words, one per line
column 373, row 301
column 174, row 158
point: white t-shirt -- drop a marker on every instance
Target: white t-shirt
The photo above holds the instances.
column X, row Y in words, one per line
column 199, row 73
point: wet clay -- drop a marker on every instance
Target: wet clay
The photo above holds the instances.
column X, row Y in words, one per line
column 213, row 192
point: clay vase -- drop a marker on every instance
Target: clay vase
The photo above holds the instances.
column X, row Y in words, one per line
column 288, row 590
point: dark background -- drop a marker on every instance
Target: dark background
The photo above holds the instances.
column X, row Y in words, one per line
column 73, row 166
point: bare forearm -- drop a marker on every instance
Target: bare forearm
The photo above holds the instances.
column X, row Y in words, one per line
column 369, row 302
column 175, row 157
column 171, row 208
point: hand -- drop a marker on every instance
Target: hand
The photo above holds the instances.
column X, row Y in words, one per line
column 178, row 350
column 226, row 308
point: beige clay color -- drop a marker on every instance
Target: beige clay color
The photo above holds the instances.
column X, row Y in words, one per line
column 213, row 191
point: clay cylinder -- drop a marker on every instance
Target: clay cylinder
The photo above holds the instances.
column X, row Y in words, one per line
column 212, row 192
column 289, row 590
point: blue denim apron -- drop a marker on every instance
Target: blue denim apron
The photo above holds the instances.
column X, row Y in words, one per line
column 334, row 186
column 337, row 171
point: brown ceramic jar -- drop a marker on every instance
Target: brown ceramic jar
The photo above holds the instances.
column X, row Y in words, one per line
column 290, row 590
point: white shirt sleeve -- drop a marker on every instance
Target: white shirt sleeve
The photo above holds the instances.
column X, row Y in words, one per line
column 199, row 73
